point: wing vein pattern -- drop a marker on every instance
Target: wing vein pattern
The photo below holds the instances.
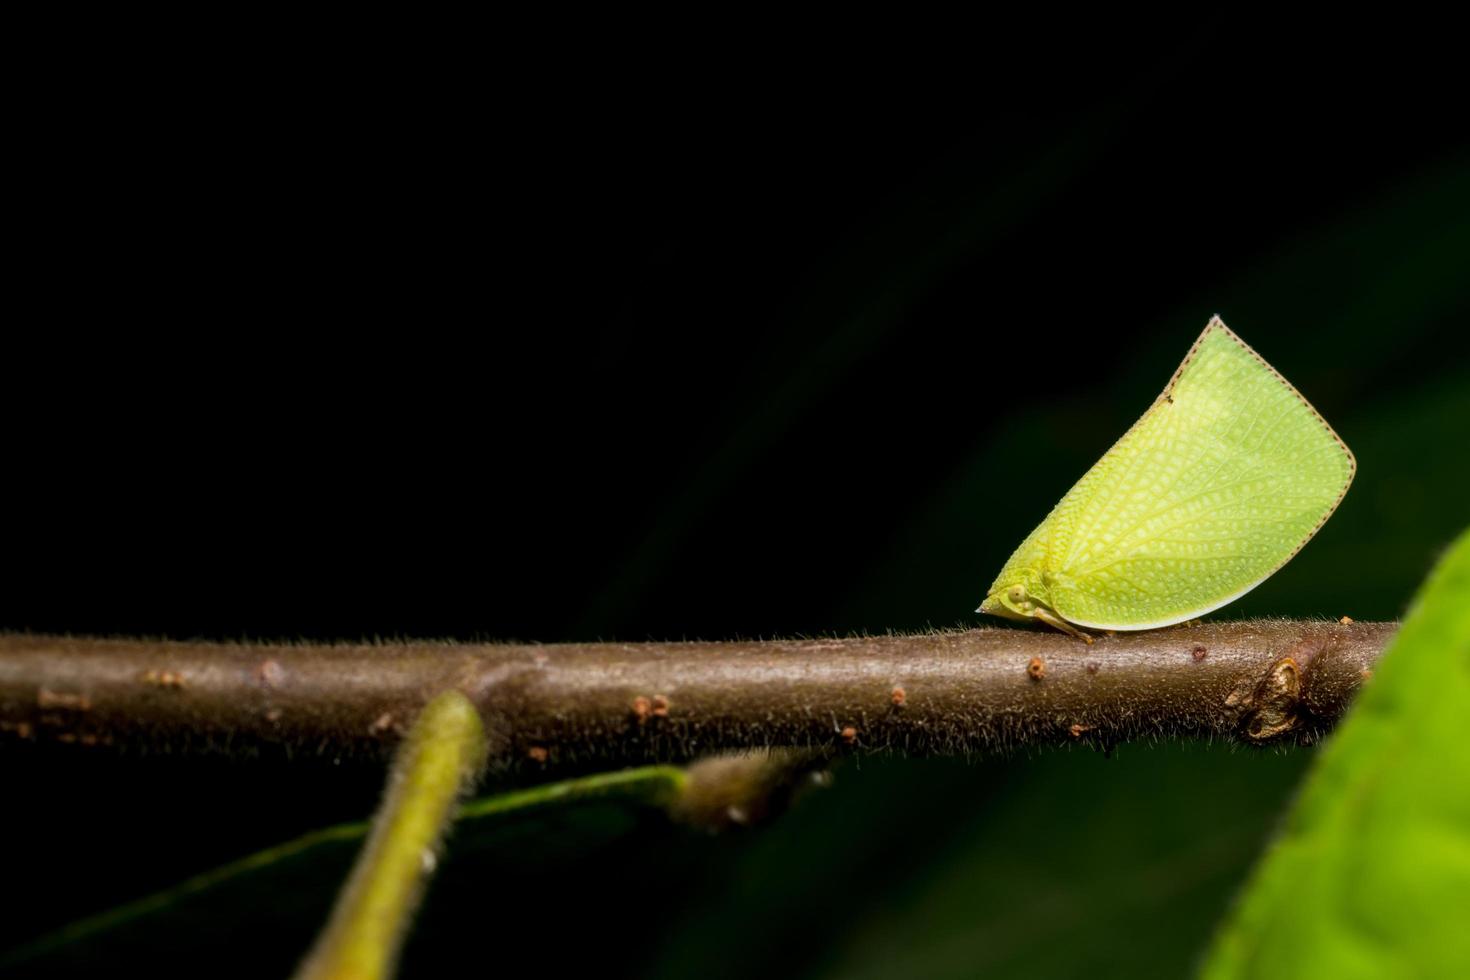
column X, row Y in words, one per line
column 1218, row 485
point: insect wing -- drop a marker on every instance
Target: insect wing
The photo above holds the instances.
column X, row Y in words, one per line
column 1226, row 476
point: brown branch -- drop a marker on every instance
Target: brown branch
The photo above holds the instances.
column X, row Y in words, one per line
column 583, row 706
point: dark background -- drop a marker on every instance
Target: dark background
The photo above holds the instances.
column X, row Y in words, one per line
column 602, row 348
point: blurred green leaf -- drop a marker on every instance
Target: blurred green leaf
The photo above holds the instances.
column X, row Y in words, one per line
column 289, row 887
column 936, row 868
column 1370, row 874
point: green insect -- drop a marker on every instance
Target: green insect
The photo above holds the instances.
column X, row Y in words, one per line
column 1225, row 477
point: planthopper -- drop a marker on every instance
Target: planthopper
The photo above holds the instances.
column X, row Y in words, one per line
column 1220, row 483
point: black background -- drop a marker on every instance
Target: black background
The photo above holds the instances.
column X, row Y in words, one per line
column 596, row 346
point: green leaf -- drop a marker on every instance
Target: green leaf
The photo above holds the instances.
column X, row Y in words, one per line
column 942, row 870
column 1370, row 874
column 288, row 888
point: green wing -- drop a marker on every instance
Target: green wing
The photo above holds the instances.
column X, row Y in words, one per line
column 1226, row 476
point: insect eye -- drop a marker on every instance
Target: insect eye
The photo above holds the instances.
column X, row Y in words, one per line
column 1017, row 593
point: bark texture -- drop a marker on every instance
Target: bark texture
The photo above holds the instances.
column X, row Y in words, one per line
column 561, row 706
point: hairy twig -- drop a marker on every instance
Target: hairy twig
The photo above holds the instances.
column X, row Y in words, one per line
column 440, row 759
column 579, row 706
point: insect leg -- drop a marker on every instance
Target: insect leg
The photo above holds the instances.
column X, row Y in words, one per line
column 1056, row 622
